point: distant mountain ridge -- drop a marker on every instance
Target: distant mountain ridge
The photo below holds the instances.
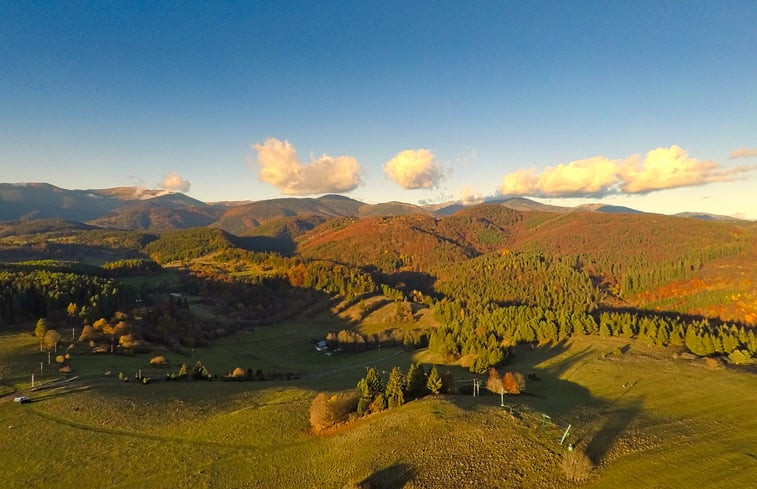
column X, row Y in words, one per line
column 137, row 208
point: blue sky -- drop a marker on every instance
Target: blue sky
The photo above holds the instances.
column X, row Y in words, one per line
column 641, row 104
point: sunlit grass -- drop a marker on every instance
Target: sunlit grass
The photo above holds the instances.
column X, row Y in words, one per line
column 637, row 409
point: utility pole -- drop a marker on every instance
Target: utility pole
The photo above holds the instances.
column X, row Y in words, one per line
column 32, row 380
column 48, row 357
column 72, row 335
column 502, row 397
column 40, row 367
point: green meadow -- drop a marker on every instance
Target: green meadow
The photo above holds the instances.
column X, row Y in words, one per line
column 645, row 419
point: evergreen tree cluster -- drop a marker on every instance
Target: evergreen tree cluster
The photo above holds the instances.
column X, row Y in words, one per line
column 38, row 293
column 528, row 278
column 374, row 395
column 131, row 266
column 186, row 244
column 482, row 331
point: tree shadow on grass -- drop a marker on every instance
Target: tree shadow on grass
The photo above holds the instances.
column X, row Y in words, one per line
column 614, row 425
column 548, row 386
column 393, row 477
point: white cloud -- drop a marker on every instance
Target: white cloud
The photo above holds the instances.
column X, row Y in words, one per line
column 468, row 196
column 414, row 168
column 281, row 167
column 174, row 182
column 661, row 168
column 664, row 168
column 743, row 153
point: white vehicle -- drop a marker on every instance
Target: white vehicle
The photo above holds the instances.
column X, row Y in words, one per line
column 22, row 400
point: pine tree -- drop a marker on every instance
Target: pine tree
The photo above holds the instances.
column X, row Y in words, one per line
column 182, row 371
column 368, row 388
column 663, row 338
column 394, row 388
column 434, row 382
column 416, row 381
column 374, row 383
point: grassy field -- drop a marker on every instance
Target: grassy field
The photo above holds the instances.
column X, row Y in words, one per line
column 645, row 419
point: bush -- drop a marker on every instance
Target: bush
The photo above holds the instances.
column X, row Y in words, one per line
column 238, row 373
column 576, row 465
column 327, row 411
column 158, row 361
column 378, row 404
column 513, row 382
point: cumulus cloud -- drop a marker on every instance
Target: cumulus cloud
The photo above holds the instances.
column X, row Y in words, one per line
column 414, row 168
column 468, row 196
column 281, row 167
column 174, row 182
column 661, row 168
column 671, row 167
column 743, row 153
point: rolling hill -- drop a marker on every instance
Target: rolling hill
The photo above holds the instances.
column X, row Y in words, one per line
column 149, row 209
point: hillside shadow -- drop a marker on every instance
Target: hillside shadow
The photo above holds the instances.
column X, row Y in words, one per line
column 642, row 313
column 263, row 244
column 409, row 281
column 85, row 253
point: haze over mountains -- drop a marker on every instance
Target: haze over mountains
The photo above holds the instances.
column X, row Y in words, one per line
column 145, row 209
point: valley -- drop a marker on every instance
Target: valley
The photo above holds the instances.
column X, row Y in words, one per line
column 637, row 331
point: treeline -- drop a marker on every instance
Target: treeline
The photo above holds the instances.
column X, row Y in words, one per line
column 320, row 275
column 354, row 341
column 485, row 333
column 40, row 293
column 131, row 266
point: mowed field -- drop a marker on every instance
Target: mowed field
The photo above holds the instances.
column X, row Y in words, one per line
column 646, row 420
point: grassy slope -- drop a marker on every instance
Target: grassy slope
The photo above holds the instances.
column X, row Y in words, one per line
column 671, row 414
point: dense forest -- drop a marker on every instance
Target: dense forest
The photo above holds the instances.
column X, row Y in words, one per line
column 493, row 277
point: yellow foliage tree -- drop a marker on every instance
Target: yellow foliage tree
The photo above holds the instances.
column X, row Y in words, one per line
column 158, row 361
column 128, row 341
column 51, row 338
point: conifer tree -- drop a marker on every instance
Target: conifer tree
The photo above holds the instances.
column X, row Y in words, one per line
column 434, row 382
column 368, row 388
column 394, row 388
column 416, row 381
